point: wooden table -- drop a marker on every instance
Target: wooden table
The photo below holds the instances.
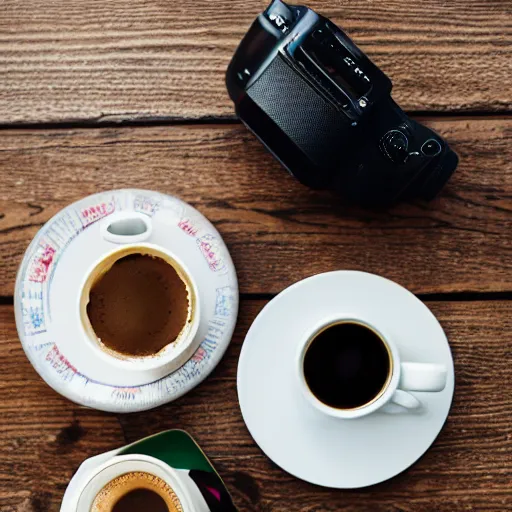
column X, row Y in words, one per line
column 102, row 94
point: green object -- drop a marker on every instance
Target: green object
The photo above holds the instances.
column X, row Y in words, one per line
column 174, row 447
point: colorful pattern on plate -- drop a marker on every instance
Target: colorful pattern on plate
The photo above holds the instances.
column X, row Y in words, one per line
column 33, row 288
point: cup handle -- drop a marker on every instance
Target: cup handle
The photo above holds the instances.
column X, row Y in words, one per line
column 415, row 377
column 126, row 228
column 405, row 399
column 422, row 377
column 401, row 401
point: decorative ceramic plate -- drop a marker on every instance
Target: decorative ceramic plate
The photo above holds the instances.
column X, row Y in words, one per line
column 49, row 283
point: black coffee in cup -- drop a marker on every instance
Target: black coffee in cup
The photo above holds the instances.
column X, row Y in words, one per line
column 141, row 499
column 347, row 365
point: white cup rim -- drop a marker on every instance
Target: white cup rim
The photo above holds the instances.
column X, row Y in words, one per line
column 384, row 395
column 167, row 355
column 152, row 465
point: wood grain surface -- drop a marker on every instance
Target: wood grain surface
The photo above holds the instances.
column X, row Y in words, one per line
column 277, row 230
column 44, row 437
column 120, row 60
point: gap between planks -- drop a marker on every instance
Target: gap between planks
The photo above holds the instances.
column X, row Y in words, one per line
column 424, row 297
column 108, row 122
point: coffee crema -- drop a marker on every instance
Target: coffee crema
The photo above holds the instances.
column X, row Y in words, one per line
column 139, row 305
column 347, row 365
column 137, row 491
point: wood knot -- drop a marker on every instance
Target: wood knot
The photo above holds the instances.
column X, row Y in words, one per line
column 248, row 485
column 70, row 434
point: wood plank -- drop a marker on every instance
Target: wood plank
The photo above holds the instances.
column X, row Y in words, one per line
column 124, row 60
column 277, row 230
column 469, row 467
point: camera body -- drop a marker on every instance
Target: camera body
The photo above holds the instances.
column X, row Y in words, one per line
column 325, row 111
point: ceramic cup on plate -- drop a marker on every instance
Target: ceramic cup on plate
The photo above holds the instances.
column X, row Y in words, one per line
column 126, row 300
column 349, row 368
column 342, row 439
column 139, row 304
column 166, row 472
column 129, row 482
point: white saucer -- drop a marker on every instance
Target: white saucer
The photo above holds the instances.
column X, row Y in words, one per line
column 49, row 283
column 325, row 450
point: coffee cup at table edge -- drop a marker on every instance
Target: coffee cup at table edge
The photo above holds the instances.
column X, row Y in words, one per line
column 189, row 497
column 403, row 377
column 132, row 230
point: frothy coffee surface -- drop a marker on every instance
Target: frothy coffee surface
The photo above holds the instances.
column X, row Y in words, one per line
column 141, row 499
column 139, row 306
column 137, row 492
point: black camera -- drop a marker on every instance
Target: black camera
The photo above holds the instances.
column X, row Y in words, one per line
column 324, row 110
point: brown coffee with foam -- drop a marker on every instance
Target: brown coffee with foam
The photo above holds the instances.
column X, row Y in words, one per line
column 139, row 305
column 135, row 492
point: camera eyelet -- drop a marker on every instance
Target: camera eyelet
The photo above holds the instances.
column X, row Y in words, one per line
column 431, row 148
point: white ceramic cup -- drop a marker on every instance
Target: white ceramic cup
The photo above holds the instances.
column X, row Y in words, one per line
column 187, row 493
column 402, row 377
column 128, row 232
